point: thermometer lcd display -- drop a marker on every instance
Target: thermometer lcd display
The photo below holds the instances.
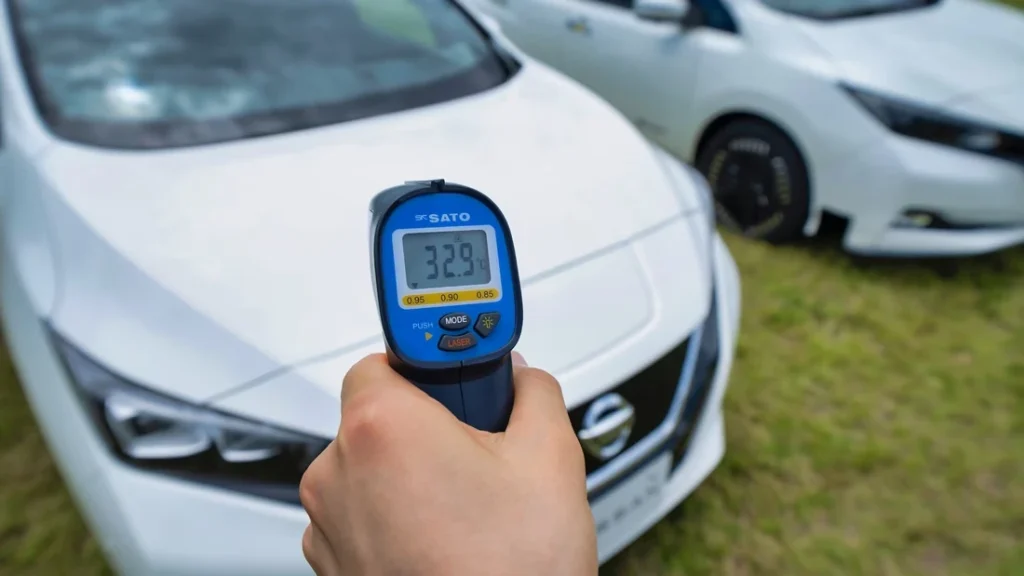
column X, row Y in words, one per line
column 446, row 259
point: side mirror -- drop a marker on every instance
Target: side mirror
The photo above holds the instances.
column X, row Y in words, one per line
column 661, row 10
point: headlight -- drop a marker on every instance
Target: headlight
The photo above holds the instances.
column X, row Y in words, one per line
column 154, row 432
column 923, row 123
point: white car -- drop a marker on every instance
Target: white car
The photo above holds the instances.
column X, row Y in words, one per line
column 902, row 119
column 185, row 267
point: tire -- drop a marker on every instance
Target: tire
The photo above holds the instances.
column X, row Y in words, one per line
column 759, row 180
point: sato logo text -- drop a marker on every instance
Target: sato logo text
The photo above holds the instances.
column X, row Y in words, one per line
column 443, row 218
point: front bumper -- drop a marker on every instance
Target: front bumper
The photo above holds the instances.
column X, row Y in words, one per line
column 979, row 199
column 152, row 525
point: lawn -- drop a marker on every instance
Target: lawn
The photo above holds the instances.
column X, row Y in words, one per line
column 875, row 426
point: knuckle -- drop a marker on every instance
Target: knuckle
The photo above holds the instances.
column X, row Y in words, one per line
column 308, row 491
column 554, row 386
column 542, row 376
column 367, row 369
column 354, row 373
column 319, row 475
column 364, row 423
column 544, row 382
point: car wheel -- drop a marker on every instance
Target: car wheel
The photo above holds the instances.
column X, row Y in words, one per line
column 759, row 180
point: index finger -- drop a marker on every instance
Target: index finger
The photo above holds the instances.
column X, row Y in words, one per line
column 539, row 408
column 372, row 373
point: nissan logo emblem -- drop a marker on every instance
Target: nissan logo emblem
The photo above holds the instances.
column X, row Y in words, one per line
column 607, row 424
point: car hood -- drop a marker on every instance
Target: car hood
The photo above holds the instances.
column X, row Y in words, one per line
column 259, row 249
column 933, row 55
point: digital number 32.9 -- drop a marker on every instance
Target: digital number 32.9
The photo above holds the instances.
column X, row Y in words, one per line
column 464, row 252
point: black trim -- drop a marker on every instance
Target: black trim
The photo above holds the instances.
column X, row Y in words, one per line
column 650, row 391
column 712, row 14
column 865, row 12
column 709, row 357
column 696, row 402
column 679, row 443
column 283, row 493
column 694, row 405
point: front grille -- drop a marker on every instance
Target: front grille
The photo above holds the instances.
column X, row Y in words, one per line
column 650, row 392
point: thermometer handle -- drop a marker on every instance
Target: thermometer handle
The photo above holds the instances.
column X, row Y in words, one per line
column 480, row 395
column 487, row 394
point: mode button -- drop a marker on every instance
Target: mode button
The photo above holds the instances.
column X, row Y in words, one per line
column 454, row 321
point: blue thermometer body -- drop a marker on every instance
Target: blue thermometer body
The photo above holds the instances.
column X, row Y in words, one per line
column 447, row 290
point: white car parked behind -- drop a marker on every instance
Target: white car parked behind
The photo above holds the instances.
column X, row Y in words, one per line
column 186, row 276
column 905, row 117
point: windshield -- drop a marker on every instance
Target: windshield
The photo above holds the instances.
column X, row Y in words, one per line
column 837, row 9
column 163, row 73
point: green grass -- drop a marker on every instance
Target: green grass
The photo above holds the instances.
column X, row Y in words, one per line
column 875, row 425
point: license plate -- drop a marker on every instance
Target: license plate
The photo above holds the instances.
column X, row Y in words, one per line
column 630, row 503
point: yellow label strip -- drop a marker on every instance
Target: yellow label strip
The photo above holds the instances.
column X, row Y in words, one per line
column 454, row 297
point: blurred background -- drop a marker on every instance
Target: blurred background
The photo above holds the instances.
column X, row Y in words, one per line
column 874, row 422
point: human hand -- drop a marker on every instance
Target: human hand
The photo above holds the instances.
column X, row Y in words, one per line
column 406, row 488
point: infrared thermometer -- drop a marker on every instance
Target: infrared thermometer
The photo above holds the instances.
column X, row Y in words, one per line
column 447, row 289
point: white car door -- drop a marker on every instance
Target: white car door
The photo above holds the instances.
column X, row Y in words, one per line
column 644, row 68
column 5, row 178
column 538, row 27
